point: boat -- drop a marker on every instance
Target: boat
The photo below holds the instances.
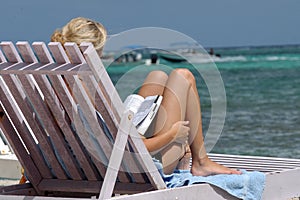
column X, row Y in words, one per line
column 172, row 57
column 187, row 55
column 131, row 55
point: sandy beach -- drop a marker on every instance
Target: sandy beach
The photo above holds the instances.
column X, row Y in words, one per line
column 5, row 182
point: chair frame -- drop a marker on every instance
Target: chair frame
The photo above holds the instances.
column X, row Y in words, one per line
column 27, row 75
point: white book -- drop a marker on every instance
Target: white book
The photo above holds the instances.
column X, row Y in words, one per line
column 144, row 110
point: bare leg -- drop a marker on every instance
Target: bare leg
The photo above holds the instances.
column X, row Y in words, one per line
column 181, row 102
column 154, row 84
column 173, row 109
column 201, row 164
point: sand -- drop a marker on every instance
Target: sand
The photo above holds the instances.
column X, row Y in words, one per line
column 5, row 182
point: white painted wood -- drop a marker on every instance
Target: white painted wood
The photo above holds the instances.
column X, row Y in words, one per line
column 89, row 111
column 101, row 76
column 92, row 84
column 101, row 155
column 279, row 186
column 116, row 156
column 282, row 185
column 193, row 192
column 258, row 163
column 82, row 98
column 146, row 160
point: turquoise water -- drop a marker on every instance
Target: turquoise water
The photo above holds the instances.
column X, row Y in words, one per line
column 262, row 87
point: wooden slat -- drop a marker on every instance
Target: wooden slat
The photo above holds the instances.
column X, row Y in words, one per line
column 42, row 52
column 10, row 52
column 79, row 93
column 50, row 126
column 102, row 139
column 20, row 189
column 50, row 69
column 116, row 105
column 14, row 94
column 66, row 99
column 112, row 103
column 29, row 84
column 254, row 158
column 5, row 65
column 2, row 57
column 104, row 80
column 58, row 53
column 263, row 165
column 88, row 110
column 74, row 53
column 92, row 87
column 91, row 186
column 98, row 100
column 258, row 163
column 24, row 158
column 100, row 103
column 26, row 52
column 64, row 124
column 70, row 107
column 59, row 114
column 15, row 87
column 14, row 67
column 104, row 106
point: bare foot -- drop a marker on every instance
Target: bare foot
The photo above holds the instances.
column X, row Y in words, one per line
column 208, row 167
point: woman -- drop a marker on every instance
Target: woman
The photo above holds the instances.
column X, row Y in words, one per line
column 178, row 125
column 80, row 30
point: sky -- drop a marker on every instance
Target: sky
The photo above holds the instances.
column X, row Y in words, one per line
column 212, row 23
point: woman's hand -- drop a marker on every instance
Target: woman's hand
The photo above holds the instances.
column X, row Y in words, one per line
column 180, row 131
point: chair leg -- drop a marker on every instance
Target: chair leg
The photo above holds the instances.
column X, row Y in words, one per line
column 116, row 156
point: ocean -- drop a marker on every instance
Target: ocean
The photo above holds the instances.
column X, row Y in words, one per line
column 262, row 86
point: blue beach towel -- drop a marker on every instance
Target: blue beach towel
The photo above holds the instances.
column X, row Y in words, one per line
column 248, row 185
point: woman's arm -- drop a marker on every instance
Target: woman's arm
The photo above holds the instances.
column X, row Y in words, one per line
column 179, row 133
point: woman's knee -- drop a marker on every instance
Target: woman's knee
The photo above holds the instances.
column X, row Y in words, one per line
column 157, row 76
column 158, row 73
column 187, row 74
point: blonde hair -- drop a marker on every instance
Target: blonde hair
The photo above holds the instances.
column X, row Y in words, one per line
column 80, row 30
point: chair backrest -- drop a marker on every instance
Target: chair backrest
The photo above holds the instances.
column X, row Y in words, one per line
column 49, row 102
